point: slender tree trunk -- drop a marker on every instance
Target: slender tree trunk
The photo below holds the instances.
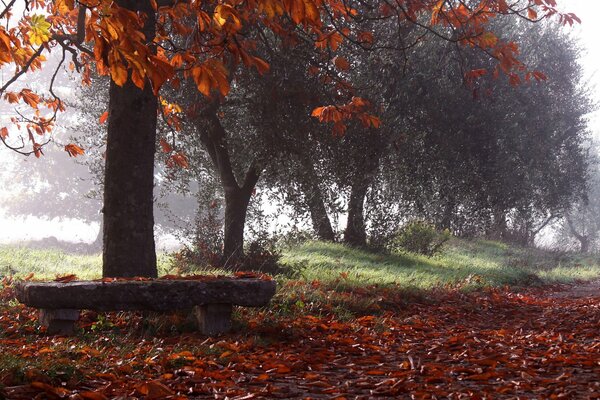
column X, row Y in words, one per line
column 499, row 229
column 584, row 240
column 128, row 248
column 355, row 234
column 446, row 221
column 584, row 245
column 314, row 200
column 237, row 198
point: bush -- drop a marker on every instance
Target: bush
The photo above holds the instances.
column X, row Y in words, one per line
column 200, row 255
column 422, row 238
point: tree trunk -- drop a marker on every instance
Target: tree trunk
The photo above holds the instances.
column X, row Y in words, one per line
column 236, row 208
column 314, row 200
column 584, row 245
column 499, row 227
column 237, row 198
column 584, row 240
column 128, row 248
column 355, row 234
column 448, row 214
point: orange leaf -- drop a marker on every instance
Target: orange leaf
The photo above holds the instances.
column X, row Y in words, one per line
column 66, row 278
column 154, row 390
column 181, row 160
column 166, row 147
column 74, row 150
column 342, row 64
column 93, row 396
column 103, row 117
column 4, row 133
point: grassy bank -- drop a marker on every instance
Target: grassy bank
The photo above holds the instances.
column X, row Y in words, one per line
column 469, row 263
column 476, row 263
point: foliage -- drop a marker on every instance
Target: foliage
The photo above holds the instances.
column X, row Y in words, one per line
column 421, row 237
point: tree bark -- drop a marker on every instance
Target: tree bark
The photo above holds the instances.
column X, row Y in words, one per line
column 308, row 181
column 236, row 209
column 237, row 198
column 355, row 234
column 584, row 241
column 128, row 248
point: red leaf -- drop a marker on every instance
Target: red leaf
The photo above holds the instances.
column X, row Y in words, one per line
column 103, row 117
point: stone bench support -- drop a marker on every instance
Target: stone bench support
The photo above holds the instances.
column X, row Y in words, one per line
column 211, row 301
column 213, row 319
column 59, row 321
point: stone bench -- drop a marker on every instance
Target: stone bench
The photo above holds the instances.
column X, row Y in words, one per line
column 210, row 300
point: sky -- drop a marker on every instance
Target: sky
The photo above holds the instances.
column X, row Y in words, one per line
column 588, row 32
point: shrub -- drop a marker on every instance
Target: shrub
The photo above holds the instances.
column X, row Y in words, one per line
column 421, row 237
column 202, row 254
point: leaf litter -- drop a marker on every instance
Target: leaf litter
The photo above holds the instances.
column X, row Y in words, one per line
column 486, row 344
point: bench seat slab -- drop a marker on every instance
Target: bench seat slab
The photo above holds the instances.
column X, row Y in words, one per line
column 156, row 295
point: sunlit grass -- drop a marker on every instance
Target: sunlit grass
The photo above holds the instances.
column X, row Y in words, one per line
column 477, row 262
column 470, row 263
column 49, row 263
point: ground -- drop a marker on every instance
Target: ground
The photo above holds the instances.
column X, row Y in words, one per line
column 494, row 343
column 326, row 339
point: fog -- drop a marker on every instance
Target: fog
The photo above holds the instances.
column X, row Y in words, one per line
column 19, row 184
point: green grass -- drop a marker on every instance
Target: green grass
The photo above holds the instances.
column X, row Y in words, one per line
column 473, row 263
column 48, row 263
column 470, row 263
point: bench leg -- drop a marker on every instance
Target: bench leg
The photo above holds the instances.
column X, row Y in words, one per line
column 213, row 319
column 59, row 321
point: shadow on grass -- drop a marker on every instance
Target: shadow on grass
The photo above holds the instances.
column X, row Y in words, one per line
column 326, row 261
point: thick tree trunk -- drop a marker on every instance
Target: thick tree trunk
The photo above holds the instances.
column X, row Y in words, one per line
column 355, row 234
column 314, row 201
column 236, row 208
column 128, row 248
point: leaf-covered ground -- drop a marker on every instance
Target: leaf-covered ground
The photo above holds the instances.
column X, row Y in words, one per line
column 493, row 343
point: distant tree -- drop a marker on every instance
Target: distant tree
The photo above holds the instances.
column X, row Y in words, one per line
column 489, row 157
column 581, row 223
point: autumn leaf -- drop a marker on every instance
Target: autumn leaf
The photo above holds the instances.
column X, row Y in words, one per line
column 180, row 159
column 103, row 117
column 40, row 30
column 92, row 395
column 531, row 13
column 342, row 64
column 166, row 147
column 74, row 150
column 66, row 278
column 226, row 14
column 4, row 132
column 154, row 390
